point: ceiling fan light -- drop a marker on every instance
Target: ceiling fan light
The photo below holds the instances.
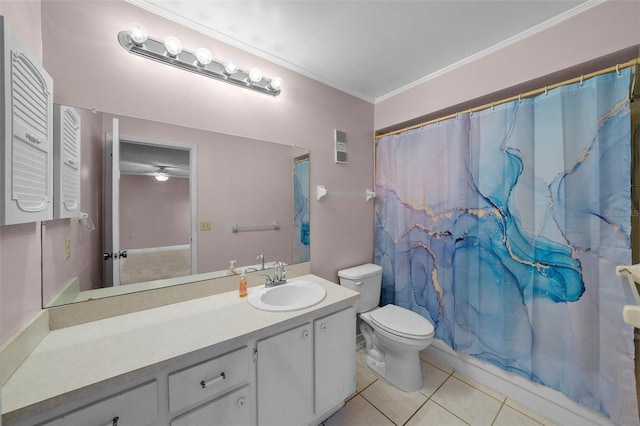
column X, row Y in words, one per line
column 161, row 176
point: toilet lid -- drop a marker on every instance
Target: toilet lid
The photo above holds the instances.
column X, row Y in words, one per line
column 401, row 321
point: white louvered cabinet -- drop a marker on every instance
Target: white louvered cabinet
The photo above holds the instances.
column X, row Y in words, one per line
column 66, row 162
column 26, row 123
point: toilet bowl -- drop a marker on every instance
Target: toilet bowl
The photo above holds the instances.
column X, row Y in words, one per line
column 393, row 335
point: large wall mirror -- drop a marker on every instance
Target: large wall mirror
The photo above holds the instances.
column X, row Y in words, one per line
column 168, row 205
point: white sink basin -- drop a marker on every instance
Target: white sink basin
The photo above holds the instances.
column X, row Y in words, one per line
column 294, row 295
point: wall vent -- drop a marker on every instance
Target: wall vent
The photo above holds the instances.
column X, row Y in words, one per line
column 341, row 146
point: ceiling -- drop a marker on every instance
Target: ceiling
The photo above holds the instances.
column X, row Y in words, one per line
column 145, row 159
column 370, row 49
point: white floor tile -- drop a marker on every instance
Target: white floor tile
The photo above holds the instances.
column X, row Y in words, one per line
column 431, row 414
column 509, row 417
column 357, row 412
column 364, row 375
column 432, row 378
column 467, row 402
column 398, row 405
column 479, row 386
column 537, row 417
column 436, row 363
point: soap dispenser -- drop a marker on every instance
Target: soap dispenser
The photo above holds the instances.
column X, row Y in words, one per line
column 232, row 268
column 242, row 288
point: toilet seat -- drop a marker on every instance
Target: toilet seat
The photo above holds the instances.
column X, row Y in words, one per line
column 401, row 322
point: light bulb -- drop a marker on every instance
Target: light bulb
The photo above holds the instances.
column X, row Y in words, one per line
column 230, row 67
column 255, row 75
column 161, row 176
column 276, row 84
column 137, row 33
column 173, row 46
column 204, row 56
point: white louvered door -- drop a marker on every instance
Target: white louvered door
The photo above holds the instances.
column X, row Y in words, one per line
column 27, row 155
column 67, row 160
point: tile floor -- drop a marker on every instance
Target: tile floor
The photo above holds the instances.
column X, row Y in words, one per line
column 446, row 398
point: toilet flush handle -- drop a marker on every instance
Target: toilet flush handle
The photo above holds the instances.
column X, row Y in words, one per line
column 358, row 283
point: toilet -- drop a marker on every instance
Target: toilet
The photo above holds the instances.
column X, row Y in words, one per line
column 394, row 336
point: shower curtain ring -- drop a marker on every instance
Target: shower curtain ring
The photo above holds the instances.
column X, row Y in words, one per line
column 618, row 70
column 581, row 80
column 546, row 91
column 520, row 98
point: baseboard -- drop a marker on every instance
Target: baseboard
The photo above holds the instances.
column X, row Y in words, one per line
column 67, row 294
column 538, row 398
column 20, row 345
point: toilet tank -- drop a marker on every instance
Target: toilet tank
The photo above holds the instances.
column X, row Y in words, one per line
column 366, row 280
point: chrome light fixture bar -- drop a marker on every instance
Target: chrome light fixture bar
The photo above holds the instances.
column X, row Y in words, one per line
column 170, row 52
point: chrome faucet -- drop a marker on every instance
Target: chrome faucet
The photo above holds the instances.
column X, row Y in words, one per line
column 279, row 275
column 260, row 257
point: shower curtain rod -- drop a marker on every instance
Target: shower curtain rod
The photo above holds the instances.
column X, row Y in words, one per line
column 528, row 94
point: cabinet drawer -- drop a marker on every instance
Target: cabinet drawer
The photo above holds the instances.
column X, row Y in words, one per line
column 230, row 410
column 200, row 382
column 136, row 407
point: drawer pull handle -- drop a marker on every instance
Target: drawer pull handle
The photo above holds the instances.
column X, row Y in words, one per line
column 241, row 402
column 114, row 422
column 305, row 334
column 323, row 327
column 221, row 377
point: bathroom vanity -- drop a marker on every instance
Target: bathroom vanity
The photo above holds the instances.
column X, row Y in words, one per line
column 208, row 361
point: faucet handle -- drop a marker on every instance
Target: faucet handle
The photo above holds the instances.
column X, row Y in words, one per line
column 268, row 281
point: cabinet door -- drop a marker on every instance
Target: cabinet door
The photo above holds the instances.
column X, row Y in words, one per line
column 27, row 127
column 335, row 358
column 285, row 378
column 66, row 155
column 233, row 409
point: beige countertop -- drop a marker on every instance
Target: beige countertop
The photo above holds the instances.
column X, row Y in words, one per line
column 79, row 358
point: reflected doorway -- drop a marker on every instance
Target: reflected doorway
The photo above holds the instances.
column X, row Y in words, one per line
column 150, row 227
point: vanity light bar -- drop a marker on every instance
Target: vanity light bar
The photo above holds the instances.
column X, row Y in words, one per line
column 170, row 52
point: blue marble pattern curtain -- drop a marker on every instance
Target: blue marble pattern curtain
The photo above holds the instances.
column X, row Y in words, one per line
column 301, row 231
column 504, row 227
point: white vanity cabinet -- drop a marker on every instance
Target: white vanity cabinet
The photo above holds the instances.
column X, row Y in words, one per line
column 335, row 359
column 285, row 377
column 210, row 361
column 26, row 125
column 305, row 373
column 135, row 407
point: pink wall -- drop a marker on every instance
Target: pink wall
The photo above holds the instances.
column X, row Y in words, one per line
column 306, row 114
column 20, row 297
column 611, row 28
column 152, row 213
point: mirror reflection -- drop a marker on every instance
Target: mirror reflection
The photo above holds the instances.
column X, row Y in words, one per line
column 173, row 205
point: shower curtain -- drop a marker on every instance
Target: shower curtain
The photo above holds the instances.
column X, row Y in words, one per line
column 503, row 228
